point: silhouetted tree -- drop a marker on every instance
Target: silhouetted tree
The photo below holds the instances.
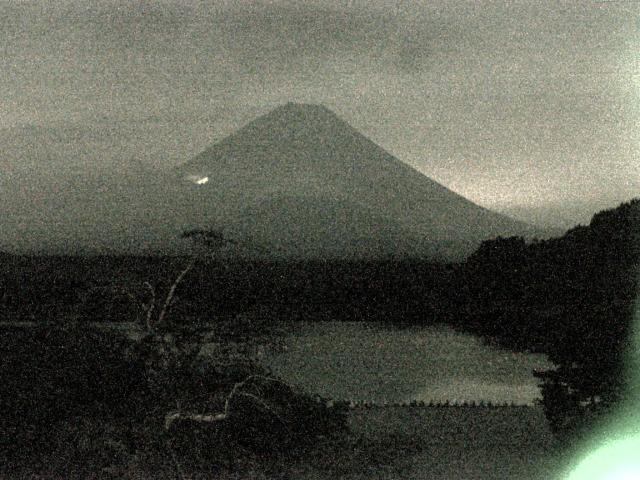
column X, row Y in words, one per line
column 590, row 341
column 569, row 297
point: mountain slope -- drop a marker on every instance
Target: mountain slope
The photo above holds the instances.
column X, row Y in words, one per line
column 299, row 166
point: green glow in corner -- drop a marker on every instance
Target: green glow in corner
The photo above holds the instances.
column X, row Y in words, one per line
column 619, row 460
column 618, row 457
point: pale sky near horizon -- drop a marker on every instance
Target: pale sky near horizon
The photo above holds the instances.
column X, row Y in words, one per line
column 525, row 104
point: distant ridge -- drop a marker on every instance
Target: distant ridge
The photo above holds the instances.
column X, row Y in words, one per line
column 305, row 182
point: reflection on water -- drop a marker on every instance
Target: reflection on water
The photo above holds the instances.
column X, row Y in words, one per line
column 468, row 389
column 373, row 362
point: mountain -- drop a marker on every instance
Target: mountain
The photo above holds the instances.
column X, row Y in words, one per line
column 306, row 184
column 298, row 182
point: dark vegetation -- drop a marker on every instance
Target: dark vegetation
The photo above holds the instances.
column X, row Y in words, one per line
column 78, row 402
column 110, row 289
column 570, row 298
column 81, row 399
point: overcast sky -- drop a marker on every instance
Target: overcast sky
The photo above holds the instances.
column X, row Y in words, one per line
column 524, row 103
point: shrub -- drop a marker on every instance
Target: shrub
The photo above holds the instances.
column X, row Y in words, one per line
column 73, row 391
column 58, row 376
column 53, row 372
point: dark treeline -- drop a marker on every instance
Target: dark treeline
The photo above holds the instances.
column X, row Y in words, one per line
column 571, row 298
column 104, row 288
column 533, row 296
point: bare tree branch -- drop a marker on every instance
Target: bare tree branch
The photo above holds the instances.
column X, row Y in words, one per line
column 151, row 306
column 212, row 418
column 172, row 291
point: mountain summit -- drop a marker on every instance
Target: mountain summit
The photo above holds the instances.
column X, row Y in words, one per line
column 304, row 182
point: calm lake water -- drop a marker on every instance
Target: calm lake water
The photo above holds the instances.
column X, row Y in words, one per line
column 374, row 362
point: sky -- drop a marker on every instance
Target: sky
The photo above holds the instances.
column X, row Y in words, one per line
column 529, row 107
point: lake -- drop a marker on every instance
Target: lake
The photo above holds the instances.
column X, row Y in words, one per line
column 367, row 361
column 374, row 362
